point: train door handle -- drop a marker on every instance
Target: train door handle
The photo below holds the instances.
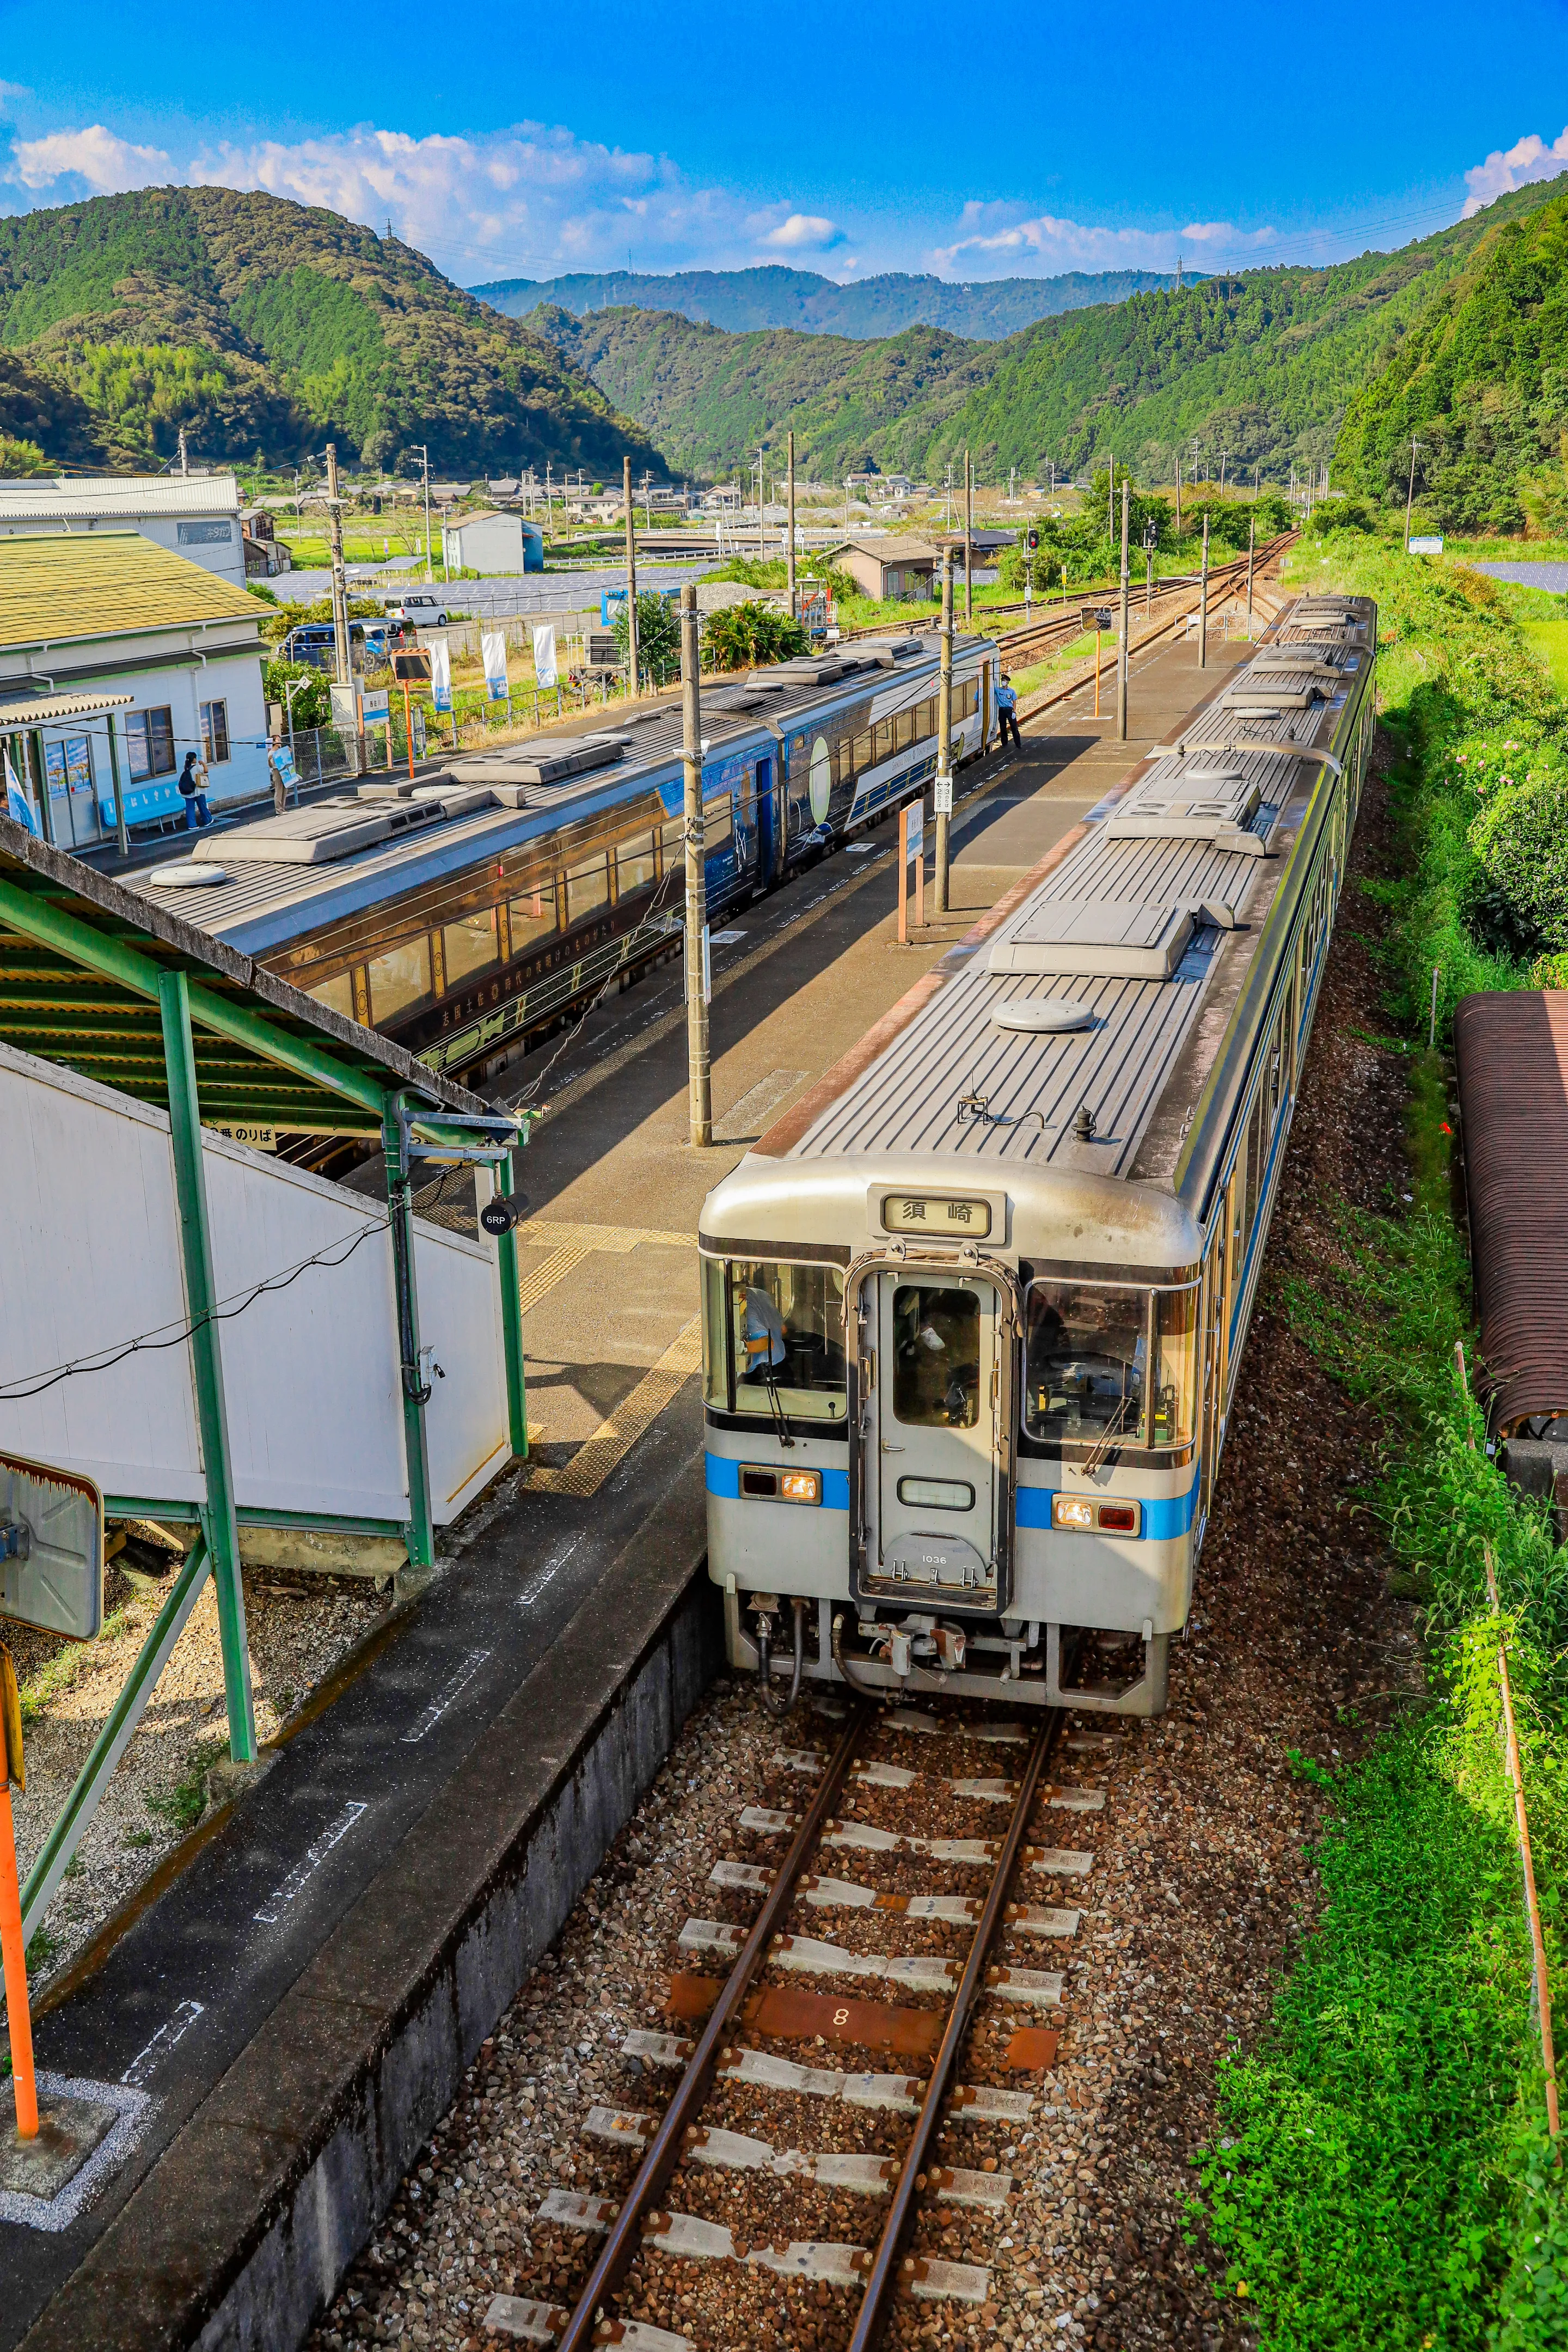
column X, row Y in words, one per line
column 894, row 1449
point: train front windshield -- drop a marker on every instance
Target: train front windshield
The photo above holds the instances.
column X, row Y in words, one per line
column 774, row 1337
column 1091, row 1345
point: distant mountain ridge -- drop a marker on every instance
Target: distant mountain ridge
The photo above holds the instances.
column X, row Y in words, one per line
column 751, row 300
column 256, row 323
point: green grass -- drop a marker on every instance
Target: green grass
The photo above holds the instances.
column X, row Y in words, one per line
column 1380, row 2180
column 63, row 1668
column 183, row 1805
column 1549, row 639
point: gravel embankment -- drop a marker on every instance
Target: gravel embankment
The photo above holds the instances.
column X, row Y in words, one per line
column 1199, row 1888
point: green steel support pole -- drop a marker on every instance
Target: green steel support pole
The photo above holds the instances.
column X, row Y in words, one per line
column 400, row 1217
column 54, row 1855
column 119, row 826
column 512, row 1323
column 218, row 1523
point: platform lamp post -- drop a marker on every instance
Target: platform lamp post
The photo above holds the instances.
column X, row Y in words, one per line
column 1122, row 647
column 944, row 787
column 1203, row 602
column 1151, row 536
column 699, row 1083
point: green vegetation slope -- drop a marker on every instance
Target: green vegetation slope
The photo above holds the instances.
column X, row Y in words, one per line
column 256, row 323
column 1482, row 386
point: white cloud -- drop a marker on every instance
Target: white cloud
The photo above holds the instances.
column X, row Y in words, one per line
column 987, row 231
column 106, row 163
column 805, row 232
column 1528, row 158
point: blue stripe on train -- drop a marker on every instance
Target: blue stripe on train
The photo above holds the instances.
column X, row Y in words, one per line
column 1164, row 1516
column 724, row 1479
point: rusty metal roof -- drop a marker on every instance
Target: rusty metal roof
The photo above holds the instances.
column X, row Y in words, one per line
column 1512, row 1052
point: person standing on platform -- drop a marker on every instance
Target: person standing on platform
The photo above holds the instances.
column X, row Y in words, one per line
column 193, row 788
column 1007, row 712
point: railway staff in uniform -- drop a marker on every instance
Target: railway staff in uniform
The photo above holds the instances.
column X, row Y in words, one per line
column 764, row 1334
column 1006, row 711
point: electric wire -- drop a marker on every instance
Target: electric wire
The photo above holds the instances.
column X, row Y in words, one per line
column 147, row 1343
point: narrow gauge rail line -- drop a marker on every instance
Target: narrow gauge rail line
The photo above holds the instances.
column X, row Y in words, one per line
column 740, row 2017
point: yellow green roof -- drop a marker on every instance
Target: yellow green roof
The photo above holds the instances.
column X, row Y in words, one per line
column 58, row 586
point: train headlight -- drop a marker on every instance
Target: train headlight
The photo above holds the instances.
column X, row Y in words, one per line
column 1072, row 1511
column 800, row 1487
column 1083, row 1515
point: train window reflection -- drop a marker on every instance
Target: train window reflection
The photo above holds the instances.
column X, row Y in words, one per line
column 337, row 994
column 786, row 1339
column 634, row 866
column 1087, row 1351
column 936, row 1356
column 400, row 979
column 587, row 889
column 469, row 946
column 1173, row 1404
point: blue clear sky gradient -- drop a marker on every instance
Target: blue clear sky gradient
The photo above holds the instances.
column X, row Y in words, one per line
column 1019, row 141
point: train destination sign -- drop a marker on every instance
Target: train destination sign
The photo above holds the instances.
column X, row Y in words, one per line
column 927, row 1212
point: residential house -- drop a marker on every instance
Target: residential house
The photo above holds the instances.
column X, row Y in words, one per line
column 491, row 541
column 890, row 570
column 100, row 615
column 192, row 515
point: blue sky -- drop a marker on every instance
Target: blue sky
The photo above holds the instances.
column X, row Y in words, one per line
column 1021, row 141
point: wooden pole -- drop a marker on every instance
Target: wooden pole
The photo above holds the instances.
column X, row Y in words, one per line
column 13, row 1954
column 699, row 1080
column 1203, row 602
column 1122, row 647
column 944, row 737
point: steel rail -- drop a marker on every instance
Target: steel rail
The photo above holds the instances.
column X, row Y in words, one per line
column 888, row 2267
column 624, row 2241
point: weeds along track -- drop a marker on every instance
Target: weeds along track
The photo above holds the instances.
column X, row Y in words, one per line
column 888, row 1907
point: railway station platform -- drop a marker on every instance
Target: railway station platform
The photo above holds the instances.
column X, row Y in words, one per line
column 282, row 2016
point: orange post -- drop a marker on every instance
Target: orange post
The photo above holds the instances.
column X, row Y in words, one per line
column 408, row 728
column 920, row 874
column 904, row 875
column 12, row 1952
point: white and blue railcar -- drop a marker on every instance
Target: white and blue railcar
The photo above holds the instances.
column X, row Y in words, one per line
column 973, row 1311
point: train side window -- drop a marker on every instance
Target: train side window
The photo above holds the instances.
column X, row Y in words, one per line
column 400, row 979
column 718, row 827
column 784, row 1343
column 905, row 734
column 587, row 889
column 1258, row 1128
column 882, row 742
column 861, row 753
column 634, row 866
column 469, row 946
column 1085, row 1352
column 672, row 840
column 337, row 994
column 936, row 1356
column 533, row 916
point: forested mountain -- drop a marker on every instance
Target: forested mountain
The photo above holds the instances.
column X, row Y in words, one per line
column 1480, row 384
column 1260, row 369
column 259, row 323
column 707, row 397
column 744, row 300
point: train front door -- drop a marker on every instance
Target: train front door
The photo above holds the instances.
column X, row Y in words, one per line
column 938, row 1398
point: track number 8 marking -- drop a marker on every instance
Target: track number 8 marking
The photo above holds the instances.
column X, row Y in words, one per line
column 841, row 2017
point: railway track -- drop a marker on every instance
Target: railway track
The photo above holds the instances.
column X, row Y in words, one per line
column 775, row 2199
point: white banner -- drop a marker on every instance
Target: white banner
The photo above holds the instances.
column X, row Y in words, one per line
column 495, row 649
column 441, row 673
column 18, row 803
column 916, row 837
column 545, row 672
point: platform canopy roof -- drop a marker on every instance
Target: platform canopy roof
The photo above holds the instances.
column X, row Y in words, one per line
column 81, row 959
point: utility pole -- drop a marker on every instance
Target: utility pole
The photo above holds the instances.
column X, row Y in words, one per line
column 1410, row 493
column 184, row 454
column 633, row 668
column 1203, row 603
column 789, row 553
column 340, row 577
column 1223, row 456
column 1251, row 541
column 944, row 738
column 699, row 1086
column 1151, row 534
column 1178, row 493
column 1256, row 471
column 761, row 509
column 968, row 543
column 1121, row 653
column 1111, row 500
column 424, row 454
